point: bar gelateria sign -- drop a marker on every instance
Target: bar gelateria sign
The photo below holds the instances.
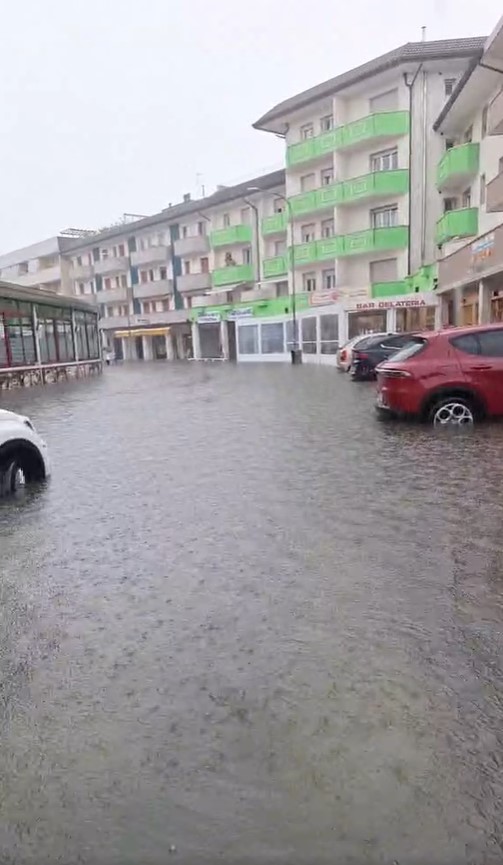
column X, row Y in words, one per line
column 422, row 300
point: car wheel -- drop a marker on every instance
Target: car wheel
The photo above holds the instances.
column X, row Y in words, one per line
column 453, row 411
column 12, row 477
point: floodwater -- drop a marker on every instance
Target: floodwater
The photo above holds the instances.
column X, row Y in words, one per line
column 247, row 623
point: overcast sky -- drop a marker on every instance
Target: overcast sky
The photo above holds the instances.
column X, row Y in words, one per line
column 113, row 106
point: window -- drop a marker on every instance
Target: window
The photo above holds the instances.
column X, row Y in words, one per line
column 186, row 266
column 248, row 339
column 163, row 273
column 246, row 253
column 412, row 347
column 245, row 216
column 165, row 305
column 385, row 270
column 491, row 343
column 329, row 334
column 308, row 232
column 309, row 335
column 384, row 217
column 82, row 288
column 450, row 204
column 278, row 205
column 146, row 306
column 201, row 228
column 279, row 247
column 466, row 200
column 104, row 254
column 309, row 281
column 124, row 280
column 449, row 84
column 79, row 260
column 273, row 338
column 327, row 176
column 307, row 182
column 290, row 341
column 122, row 250
column 117, row 282
column 483, row 130
column 469, row 343
column 143, row 276
column 385, row 160
column 327, row 228
column 482, row 188
column 226, row 220
column 205, row 265
column 306, row 131
column 384, row 102
column 185, row 231
column 326, row 122
column 107, row 283
column 468, row 135
column 328, row 279
column 151, row 276
column 22, row 268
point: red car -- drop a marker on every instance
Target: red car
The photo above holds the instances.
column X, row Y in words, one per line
column 452, row 376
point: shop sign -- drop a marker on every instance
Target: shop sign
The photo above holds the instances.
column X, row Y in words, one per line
column 322, row 298
column 209, row 318
column 390, row 304
column 245, row 312
column 480, row 250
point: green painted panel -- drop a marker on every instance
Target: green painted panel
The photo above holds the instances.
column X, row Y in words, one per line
column 329, row 196
column 424, row 279
column 305, row 253
column 232, row 274
column 458, row 162
column 275, row 266
column 396, row 237
column 233, row 234
column 385, row 124
column 457, row 223
column 389, row 289
column 329, row 247
column 274, row 224
column 358, row 242
column 301, row 151
column 303, row 203
column 258, row 308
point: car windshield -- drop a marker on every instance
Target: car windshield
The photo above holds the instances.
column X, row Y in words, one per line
column 414, row 346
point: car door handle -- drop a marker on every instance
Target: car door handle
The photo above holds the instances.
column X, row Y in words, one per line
column 482, row 366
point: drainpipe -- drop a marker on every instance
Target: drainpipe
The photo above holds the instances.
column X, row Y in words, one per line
column 410, row 85
column 425, row 166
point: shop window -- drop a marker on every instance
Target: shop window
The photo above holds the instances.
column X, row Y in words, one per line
column 415, row 319
column 366, row 322
column 248, row 339
column 309, row 335
column 292, row 342
column 273, row 338
column 329, row 334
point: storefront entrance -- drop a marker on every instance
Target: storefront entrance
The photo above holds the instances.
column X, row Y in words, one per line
column 415, row 319
column 159, row 351
column 209, row 337
column 366, row 322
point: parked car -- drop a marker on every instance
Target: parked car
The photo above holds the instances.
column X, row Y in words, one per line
column 345, row 352
column 24, row 456
column 448, row 377
column 368, row 354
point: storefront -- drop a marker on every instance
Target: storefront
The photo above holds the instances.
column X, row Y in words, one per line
column 153, row 343
column 418, row 311
column 470, row 282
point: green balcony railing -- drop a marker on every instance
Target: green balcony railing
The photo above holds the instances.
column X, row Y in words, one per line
column 231, row 235
column 232, row 274
column 276, row 266
column 389, row 289
column 318, row 199
column 386, row 124
column 457, row 223
column 274, row 224
column 361, row 242
column 346, row 192
column 457, row 164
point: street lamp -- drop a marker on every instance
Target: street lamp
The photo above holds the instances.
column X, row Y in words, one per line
column 295, row 351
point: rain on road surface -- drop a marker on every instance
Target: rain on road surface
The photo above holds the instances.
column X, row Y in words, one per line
column 247, row 623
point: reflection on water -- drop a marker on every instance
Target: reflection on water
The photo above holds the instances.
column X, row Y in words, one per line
column 246, row 621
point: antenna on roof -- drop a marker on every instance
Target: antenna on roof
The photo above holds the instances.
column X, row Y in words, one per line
column 423, row 33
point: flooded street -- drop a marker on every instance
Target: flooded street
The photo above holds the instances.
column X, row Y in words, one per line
column 247, row 623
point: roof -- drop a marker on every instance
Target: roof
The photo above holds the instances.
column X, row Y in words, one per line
column 179, row 211
column 14, row 291
column 442, row 49
column 467, row 74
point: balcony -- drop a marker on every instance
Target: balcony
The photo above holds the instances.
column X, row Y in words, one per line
column 389, row 289
column 374, row 127
column 495, row 115
column 373, row 240
column 41, row 277
column 457, row 167
column 494, row 194
column 275, row 224
column 379, row 183
column 157, row 288
column 114, row 322
column 194, row 282
column 231, row 236
column 113, row 295
column 82, row 271
column 111, row 265
column 324, row 198
column 274, row 267
column 232, row 275
column 457, row 223
column 197, row 245
column 152, row 255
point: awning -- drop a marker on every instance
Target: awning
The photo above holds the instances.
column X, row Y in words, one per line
column 144, row 331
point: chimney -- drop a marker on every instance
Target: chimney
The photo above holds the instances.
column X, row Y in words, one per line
column 186, row 197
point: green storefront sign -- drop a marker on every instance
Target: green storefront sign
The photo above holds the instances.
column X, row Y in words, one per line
column 255, row 309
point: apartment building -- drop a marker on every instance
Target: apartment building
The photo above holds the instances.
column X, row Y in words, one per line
column 154, row 279
column 470, row 183
column 39, row 265
column 362, row 205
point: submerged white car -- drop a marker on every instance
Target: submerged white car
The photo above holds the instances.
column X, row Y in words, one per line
column 24, row 457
